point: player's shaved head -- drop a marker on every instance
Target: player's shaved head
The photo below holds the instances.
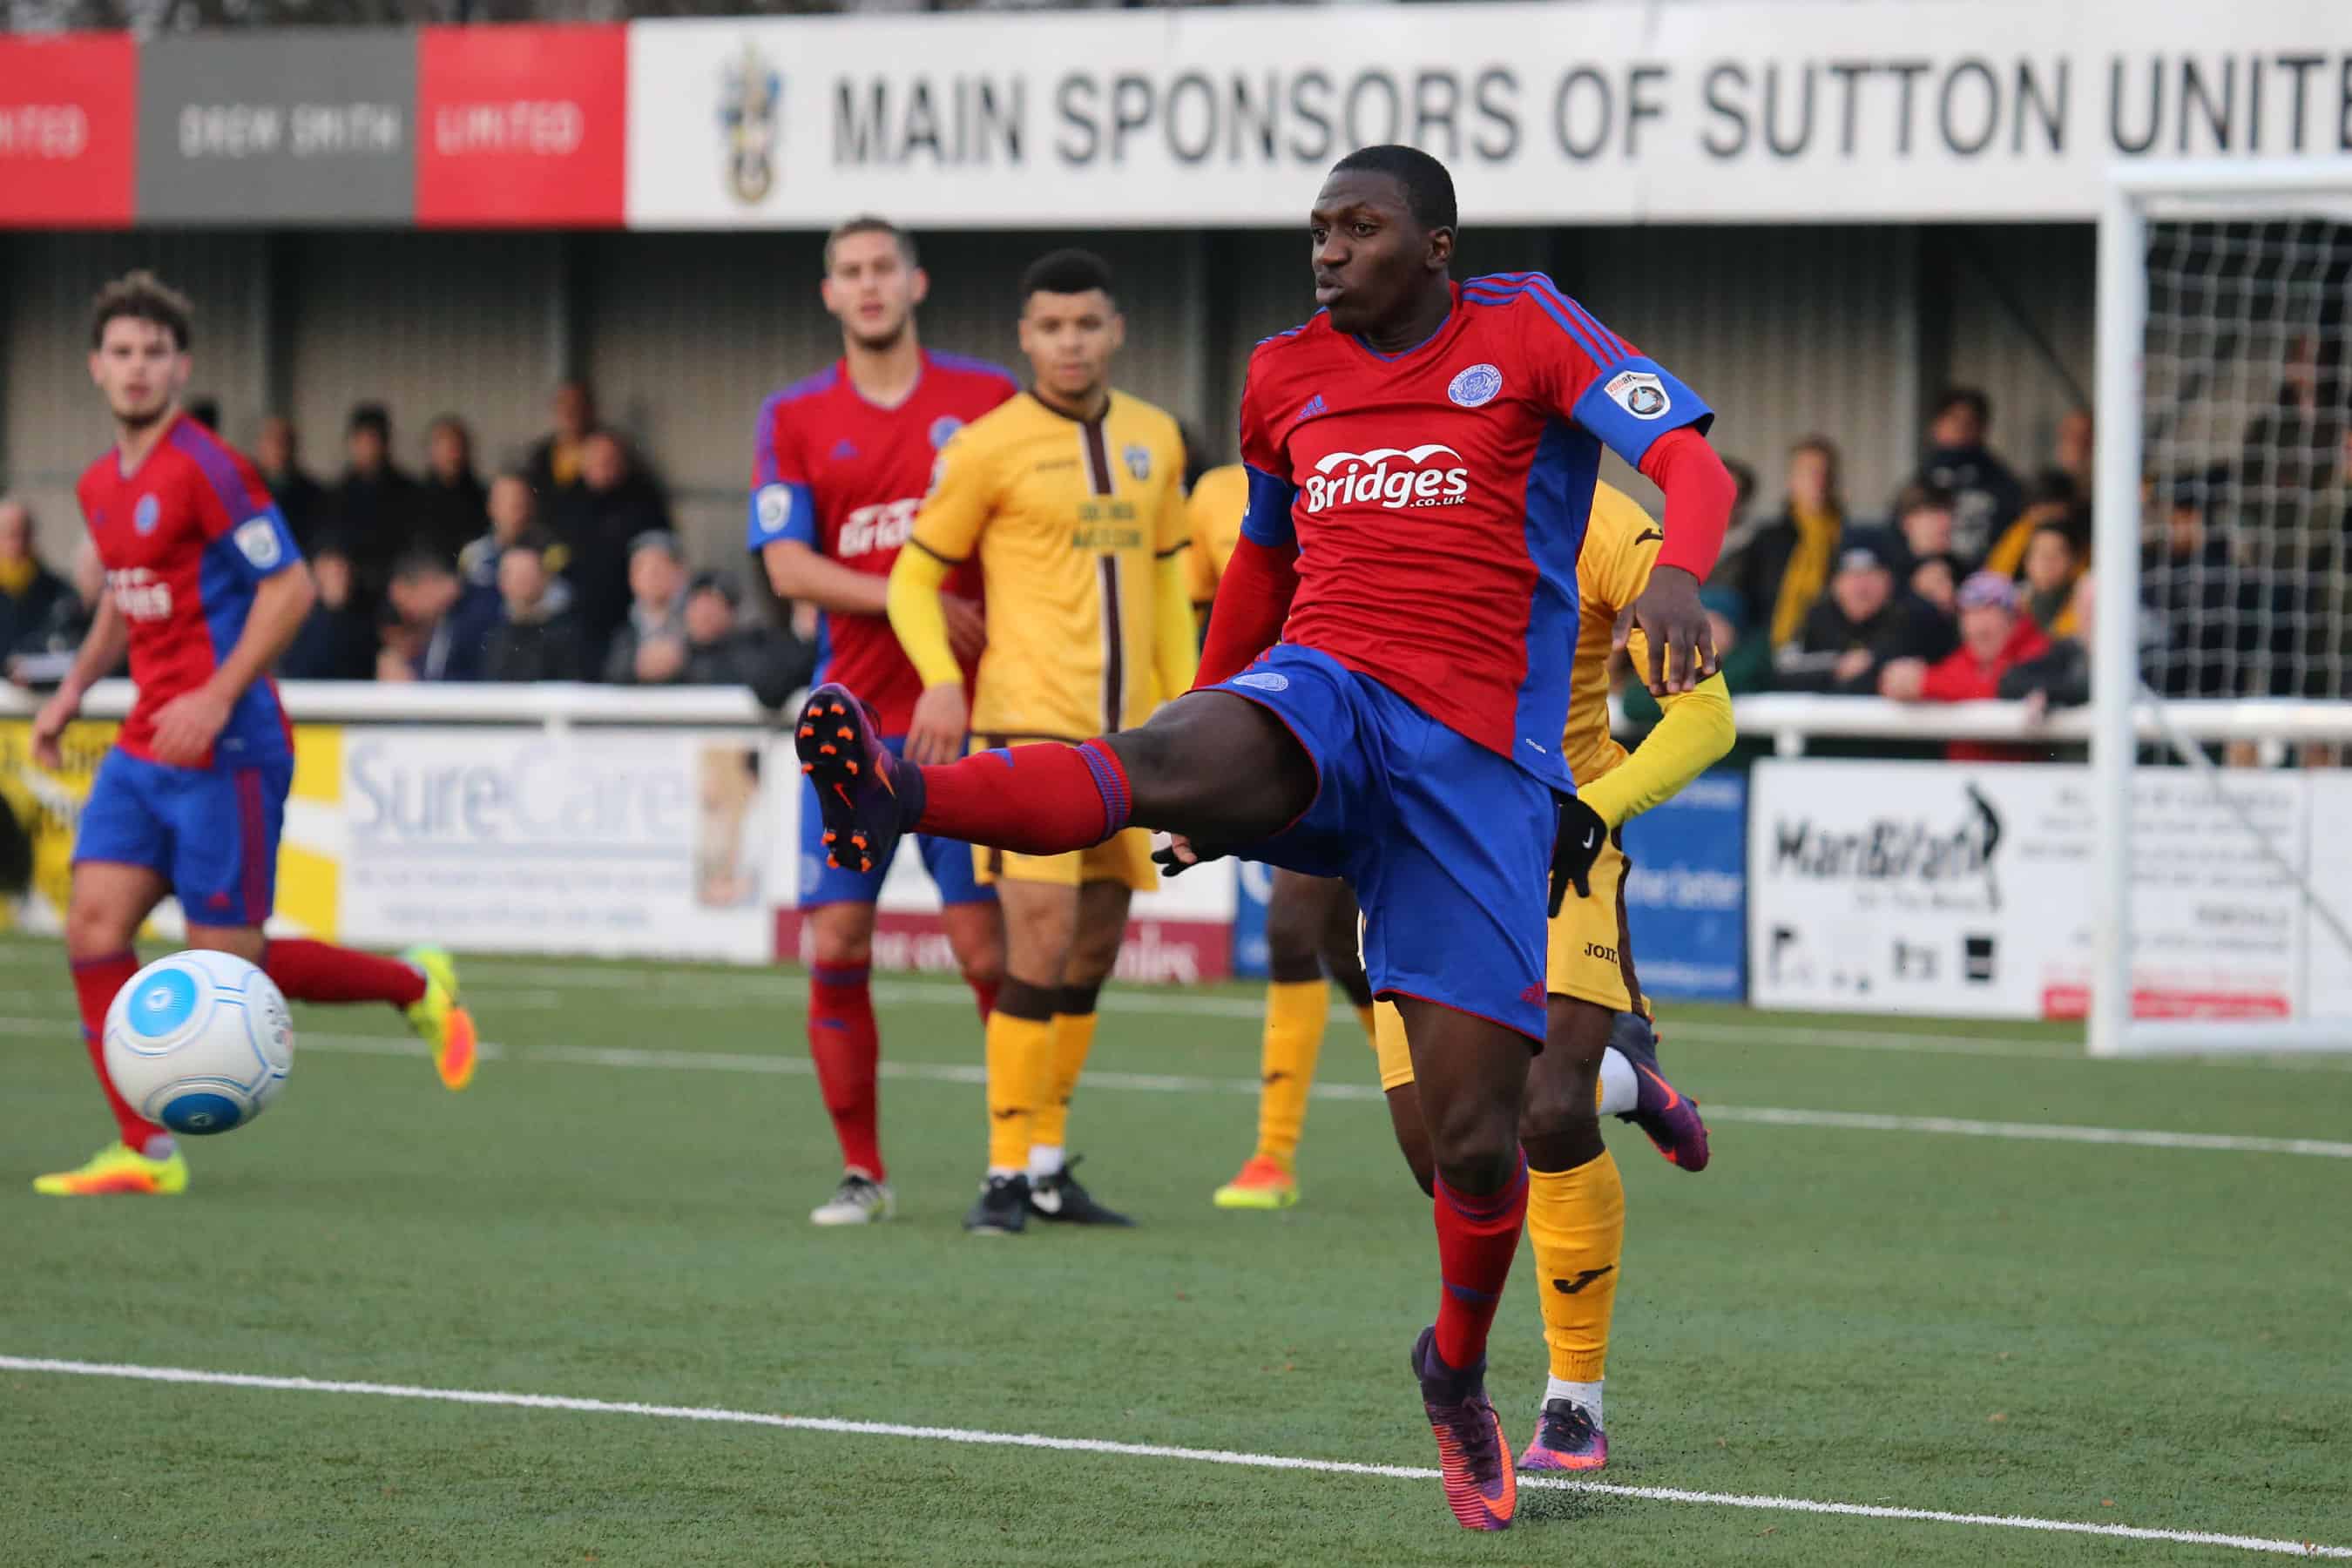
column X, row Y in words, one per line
column 1428, row 187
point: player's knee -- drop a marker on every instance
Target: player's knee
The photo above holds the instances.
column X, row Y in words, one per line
column 1473, row 1141
column 836, row 944
column 1292, row 936
column 94, row 930
column 1560, row 1106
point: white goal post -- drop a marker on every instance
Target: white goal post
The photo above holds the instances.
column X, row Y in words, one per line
column 2224, row 296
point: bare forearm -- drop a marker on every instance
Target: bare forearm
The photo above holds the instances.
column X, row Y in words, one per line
column 280, row 603
column 101, row 647
column 796, row 572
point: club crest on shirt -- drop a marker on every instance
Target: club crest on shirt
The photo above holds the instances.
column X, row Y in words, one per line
column 943, row 430
column 1138, row 462
column 1639, row 393
column 144, row 516
column 1475, row 386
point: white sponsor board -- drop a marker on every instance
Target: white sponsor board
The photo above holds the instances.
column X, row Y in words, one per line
column 643, row 843
column 1965, row 889
column 1767, row 110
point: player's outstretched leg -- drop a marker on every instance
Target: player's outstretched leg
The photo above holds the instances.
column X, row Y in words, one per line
column 108, row 903
column 420, row 985
column 1633, row 1089
column 1298, row 1008
column 1472, row 1076
column 1576, row 1223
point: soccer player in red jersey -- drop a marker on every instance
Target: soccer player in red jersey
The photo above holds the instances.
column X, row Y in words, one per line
column 205, row 588
column 842, row 460
column 1384, row 686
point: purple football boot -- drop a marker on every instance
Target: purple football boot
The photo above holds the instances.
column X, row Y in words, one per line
column 860, row 789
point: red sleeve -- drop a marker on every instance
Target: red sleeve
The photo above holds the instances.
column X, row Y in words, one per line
column 1699, row 497
column 1253, row 601
column 1955, row 678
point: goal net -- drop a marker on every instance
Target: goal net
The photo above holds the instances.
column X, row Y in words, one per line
column 2222, row 656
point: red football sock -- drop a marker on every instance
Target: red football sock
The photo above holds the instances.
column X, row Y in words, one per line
column 1477, row 1236
column 1045, row 799
column 96, row 980
column 320, row 972
column 984, row 992
column 845, row 1047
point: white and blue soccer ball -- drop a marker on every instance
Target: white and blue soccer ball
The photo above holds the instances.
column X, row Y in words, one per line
column 199, row 1042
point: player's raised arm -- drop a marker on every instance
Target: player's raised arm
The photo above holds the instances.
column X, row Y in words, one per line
column 1655, row 423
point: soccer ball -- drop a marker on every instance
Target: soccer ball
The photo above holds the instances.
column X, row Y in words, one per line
column 199, row 1042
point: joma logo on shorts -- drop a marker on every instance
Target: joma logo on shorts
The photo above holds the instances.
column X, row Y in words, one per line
column 1597, row 949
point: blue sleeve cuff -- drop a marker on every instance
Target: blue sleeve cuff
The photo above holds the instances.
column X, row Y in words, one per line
column 781, row 512
column 1634, row 402
column 1267, row 521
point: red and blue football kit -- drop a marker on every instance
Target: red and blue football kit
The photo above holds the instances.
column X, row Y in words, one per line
column 845, row 478
column 184, row 538
column 1436, row 501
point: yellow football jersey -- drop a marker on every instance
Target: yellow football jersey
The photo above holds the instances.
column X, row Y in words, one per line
column 1621, row 545
column 1218, row 499
column 1068, row 519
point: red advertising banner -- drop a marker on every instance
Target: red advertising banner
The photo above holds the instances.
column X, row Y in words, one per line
column 69, row 124
column 522, row 126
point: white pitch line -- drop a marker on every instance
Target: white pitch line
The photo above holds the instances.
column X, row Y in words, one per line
column 626, row 1058
column 1147, row 1451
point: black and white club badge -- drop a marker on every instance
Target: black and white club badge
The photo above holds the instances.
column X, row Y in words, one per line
column 1639, row 393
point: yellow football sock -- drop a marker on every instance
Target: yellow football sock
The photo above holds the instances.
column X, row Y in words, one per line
column 1295, row 1013
column 1370, row 1021
column 1577, row 1221
column 1063, row 1059
column 1016, row 1047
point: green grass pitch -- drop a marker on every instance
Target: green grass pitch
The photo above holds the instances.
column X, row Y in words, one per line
column 1841, row 1310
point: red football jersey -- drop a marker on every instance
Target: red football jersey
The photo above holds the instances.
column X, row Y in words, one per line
column 185, row 538
column 845, row 477
column 1438, row 498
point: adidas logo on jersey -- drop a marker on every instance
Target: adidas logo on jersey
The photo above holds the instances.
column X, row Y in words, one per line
column 1388, row 476
column 871, row 528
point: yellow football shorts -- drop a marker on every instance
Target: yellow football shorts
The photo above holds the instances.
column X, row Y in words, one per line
column 1124, row 857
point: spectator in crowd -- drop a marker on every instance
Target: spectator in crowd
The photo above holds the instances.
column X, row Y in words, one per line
column 649, row 649
column 276, row 452
column 1865, row 622
column 720, row 650
column 431, row 631
column 29, row 592
column 512, row 514
column 554, row 467
column 1923, row 520
column 1985, row 495
column 535, row 638
column 1779, row 566
column 2051, row 498
column 621, row 504
column 2061, row 677
column 2074, row 453
column 2201, row 614
column 44, row 657
column 2051, row 568
column 205, row 409
column 375, row 507
column 453, row 507
column 1994, row 637
column 337, row 642
column 1936, row 579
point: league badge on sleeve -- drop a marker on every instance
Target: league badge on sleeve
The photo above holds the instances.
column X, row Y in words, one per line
column 257, row 539
column 1639, row 393
column 1475, row 387
column 775, row 508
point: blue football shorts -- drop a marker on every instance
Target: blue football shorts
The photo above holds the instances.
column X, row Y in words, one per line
column 212, row 833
